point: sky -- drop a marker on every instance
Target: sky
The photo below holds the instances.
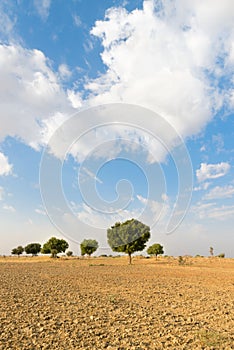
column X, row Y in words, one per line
column 112, row 110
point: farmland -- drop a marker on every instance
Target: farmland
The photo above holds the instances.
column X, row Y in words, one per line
column 103, row 303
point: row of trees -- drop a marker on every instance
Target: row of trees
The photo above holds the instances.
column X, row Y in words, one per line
column 127, row 237
column 53, row 247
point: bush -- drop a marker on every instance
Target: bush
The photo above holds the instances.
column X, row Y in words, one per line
column 221, row 255
column 181, row 260
column 69, row 253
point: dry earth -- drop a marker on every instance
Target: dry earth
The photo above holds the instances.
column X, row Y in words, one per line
column 102, row 303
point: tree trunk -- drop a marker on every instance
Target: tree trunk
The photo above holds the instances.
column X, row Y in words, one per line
column 130, row 258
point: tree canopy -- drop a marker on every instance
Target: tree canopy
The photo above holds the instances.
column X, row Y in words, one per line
column 128, row 237
column 54, row 246
column 17, row 251
column 155, row 249
column 88, row 246
column 33, row 248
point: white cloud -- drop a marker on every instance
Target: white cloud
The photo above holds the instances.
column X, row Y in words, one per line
column 28, row 81
column 162, row 67
column 64, row 71
column 91, row 174
column 75, row 98
column 220, row 192
column 212, row 171
column 5, row 166
column 202, row 187
column 77, row 21
column 7, row 20
column 1, row 193
column 40, row 211
column 211, row 210
column 9, row 208
column 42, row 7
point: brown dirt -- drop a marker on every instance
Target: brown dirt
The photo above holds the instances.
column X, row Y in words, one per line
column 103, row 303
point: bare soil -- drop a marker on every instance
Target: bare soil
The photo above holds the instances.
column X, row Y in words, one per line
column 103, row 303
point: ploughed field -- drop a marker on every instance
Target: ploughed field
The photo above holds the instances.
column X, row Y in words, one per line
column 103, row 303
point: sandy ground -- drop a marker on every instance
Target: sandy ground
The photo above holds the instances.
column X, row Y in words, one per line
column 103, row 303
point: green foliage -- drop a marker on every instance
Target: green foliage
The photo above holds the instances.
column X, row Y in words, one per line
column 69, row 253
column 88, row 246
column 33, row 248
column 155, row 249
column 128, row 237
column 54, row 246
column 221, row 255
column 17, row 251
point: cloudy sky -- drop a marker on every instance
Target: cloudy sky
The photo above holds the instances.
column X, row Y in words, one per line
column 117, row 109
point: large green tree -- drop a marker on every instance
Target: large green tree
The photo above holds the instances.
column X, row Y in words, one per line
column 155, row 249
column 33, row 248
column 88, row 246
column 54, row 246
column 128, row 237
column 17, row 251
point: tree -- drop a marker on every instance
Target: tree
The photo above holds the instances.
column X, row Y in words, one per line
column 211, row 251
column 88, row 246
column 17, row 251
column 33, row 248
column 128, row 237
column 54, row 246
column 155, row 249
column 69, row 253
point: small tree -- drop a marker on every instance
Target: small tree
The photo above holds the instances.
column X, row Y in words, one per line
column 54, row 246
column 33, row 248
column 155, row 249
column 211, row 251
column 88, row 246
column 17, row 251
column 128, row 237
column 221, row 255
column 69, row 253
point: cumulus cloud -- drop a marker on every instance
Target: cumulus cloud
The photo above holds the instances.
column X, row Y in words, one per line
column 219, row 192
column 163, row 66
column 212, row 171
column 5, row 166
column 30, row 95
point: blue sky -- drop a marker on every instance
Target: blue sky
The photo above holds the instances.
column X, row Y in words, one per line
column 117, row 109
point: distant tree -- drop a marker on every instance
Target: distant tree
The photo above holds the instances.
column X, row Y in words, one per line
column 155, row 249
column 17, row 251
column 69, row 253
column 33, row 248
column 221, row 255
column 128, row 237
column 54, row 246
column 181, row 260
column 88, row 246
column 211, row 251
